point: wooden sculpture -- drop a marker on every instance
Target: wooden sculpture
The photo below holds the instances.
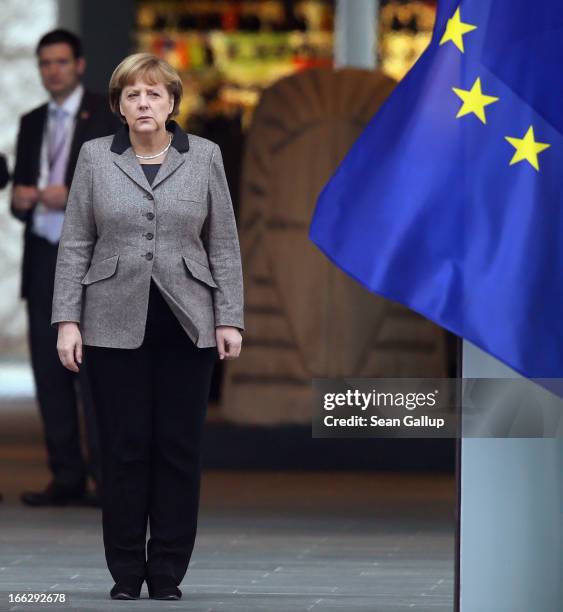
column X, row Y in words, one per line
column 304, row 317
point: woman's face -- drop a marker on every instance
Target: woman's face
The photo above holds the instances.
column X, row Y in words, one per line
column 145, row 106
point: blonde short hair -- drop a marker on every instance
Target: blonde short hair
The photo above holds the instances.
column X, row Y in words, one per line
column 149, row 67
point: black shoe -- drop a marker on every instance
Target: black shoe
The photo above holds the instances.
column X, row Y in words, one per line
column 55, row 495
column 163, row 588
column 128, row 588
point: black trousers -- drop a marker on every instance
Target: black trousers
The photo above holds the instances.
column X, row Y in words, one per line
column 58, row 389
column 151, row 404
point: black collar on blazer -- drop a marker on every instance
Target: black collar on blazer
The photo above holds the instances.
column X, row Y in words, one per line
column 121, row 141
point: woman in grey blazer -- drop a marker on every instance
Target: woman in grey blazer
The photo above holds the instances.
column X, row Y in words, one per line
column 149, row 281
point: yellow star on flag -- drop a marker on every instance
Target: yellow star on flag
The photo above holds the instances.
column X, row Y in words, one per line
column 527, row 148
column 474, row 101
column 455, row 30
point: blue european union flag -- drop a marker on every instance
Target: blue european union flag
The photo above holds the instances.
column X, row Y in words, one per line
column 450, row 202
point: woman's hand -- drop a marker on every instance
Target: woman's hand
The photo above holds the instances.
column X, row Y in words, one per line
column 229, row 341
column 69, row 345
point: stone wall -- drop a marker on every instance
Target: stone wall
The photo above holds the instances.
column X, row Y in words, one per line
column 21, row 26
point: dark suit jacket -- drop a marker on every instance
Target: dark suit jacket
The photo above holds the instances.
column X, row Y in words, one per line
column 4, row 174
column 94, row 120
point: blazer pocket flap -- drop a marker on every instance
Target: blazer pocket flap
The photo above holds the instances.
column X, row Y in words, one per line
column 199, row 271
column 191, row 194
column 100, row 270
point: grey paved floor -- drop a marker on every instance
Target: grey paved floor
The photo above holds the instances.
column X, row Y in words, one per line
column 268, row 542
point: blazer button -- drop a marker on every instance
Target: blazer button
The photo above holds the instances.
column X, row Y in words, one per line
column 148, row 196
column 149, row 236
column 148, row 256
column 150, row 216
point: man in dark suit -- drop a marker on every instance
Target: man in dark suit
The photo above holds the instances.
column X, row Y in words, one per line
column 4, row 178
column 49, row 140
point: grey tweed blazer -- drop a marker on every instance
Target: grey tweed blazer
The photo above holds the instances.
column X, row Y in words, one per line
column 119, row 232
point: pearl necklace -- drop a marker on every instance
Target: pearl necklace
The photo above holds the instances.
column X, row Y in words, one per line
column 158, row 154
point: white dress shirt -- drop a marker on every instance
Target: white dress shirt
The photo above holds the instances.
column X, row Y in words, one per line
column 48, row 223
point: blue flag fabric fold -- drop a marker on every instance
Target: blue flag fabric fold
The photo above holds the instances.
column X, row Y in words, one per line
column 450, row 200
